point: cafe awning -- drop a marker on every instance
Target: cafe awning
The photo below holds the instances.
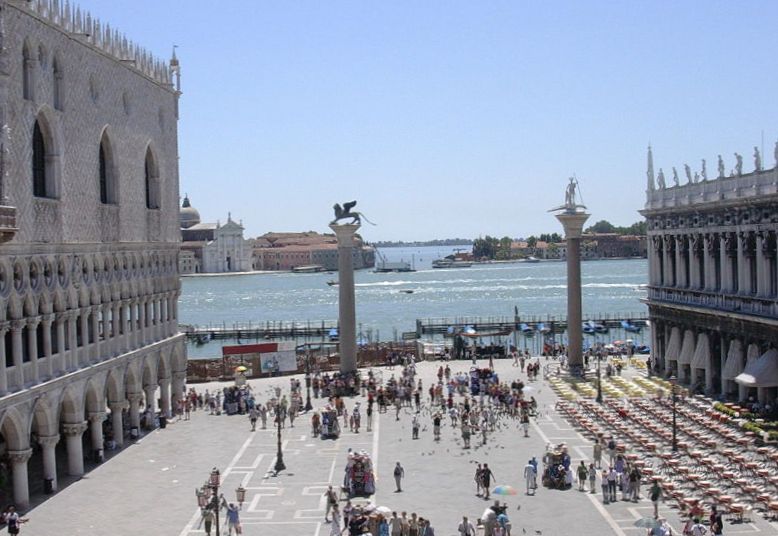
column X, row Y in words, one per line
column 735, row 361
column 762, row 372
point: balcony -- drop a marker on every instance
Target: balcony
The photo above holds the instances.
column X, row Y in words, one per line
column 715, row 300
column 8, row 226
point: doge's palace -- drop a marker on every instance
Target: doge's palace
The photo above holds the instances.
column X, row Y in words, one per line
column 89, row 242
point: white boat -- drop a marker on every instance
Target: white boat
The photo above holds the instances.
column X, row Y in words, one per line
column 451, row 263
column 308, row 269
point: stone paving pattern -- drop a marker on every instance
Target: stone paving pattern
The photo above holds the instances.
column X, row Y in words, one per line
column 149, row 488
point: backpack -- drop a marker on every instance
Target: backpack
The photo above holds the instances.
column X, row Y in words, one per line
column 397, row 470
column 611, row 444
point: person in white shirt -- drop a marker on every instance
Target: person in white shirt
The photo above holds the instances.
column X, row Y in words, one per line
column 466, row 528
column 529, row 476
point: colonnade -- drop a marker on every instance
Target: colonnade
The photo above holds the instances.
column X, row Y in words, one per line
column 743, row 262
column 42, row 347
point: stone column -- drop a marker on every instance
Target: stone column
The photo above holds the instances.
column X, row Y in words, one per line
column 32, row 348
column 179, row 381
column 762, row 265
column 73, row 433
column 573, row 222
column 143, row 328
column 60, row 364
column 116, row 344
column 3, row 368
column 94, row 349
column 157, row 318
column 48, row 446
column 16, row 347
column 135, row 399
column 46, row 320
column 72, row 327
column 83, row 353
column 164, row 395
column 742, row 268
column 347, row 330
column 694, row 262
column 654, row 268
column 106, row 346
column 710, row 265
column 96, row 419
column 681, row 252
column 117, row 421
column 19, row 459
column 726, row 269
column 151, row 402
column 669, row 276
column 133, row 331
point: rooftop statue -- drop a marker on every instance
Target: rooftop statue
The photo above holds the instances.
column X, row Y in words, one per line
column 738, row 165
column 675, row 177
column 344, row 212
column 660, row 179
column 757, row 160
column 688, row 171
column 775, row 154
column 721, row 167
column 704, row 172
column 696, row 177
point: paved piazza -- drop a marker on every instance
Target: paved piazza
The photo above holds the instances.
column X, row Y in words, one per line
column 158, row 475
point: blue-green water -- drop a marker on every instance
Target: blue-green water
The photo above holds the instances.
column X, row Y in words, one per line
column 384, row 312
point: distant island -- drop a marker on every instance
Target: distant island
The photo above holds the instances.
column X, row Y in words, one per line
column 440, row 242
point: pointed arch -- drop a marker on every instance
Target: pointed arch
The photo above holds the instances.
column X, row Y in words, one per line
column 106, row 171
column 45, row 162
column 15, row 429
column 151, row 179
column 44, row 420
column 28, row 71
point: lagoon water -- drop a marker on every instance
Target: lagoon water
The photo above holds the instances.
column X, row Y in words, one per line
column 384, row 311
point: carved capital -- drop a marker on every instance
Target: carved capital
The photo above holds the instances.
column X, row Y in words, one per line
column 47, row 318
column 163, row 381
column 18, row 325
column 135, row 398
column 33, row 321
column 74, row 429
column 179, row 376
column 4, row 326
column 711, row 241
column 97, row 416
column 19, row 456
column 48, row 441
column 118, row 405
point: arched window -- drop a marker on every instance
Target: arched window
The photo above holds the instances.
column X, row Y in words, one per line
column 28, row 81
column 58, row 90
column 106, row 176
column 39, row 181
column 151, row 177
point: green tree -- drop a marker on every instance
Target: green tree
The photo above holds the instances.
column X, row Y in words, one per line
column 601, row 226
column 532, row 241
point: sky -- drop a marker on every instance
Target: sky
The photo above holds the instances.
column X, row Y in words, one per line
column 457, row 118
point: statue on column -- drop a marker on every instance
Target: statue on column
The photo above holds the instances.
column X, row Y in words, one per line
column 757, row 160
column 721, row 167
column 696, row 177
column 570, row 195
column 688, row 171
column 345, row 212
column 675, row 177
column 738, row 165
column 650, row 170
column 660, row 179
column 704, row 172
column 775, row 154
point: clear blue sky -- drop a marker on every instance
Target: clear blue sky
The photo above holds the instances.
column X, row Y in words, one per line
column 454, row 119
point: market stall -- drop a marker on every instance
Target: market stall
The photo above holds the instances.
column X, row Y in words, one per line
column 557, row 473
column 330, row 428
column 359, row 479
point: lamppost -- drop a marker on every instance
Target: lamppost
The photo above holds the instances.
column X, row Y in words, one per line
column 308, row 405
column 673, row 382
column 279, row 466
column 208, row 496
column 599, row 378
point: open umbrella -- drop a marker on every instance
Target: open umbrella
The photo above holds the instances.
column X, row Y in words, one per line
column 505, row 490
column 648, row 523
column 241, row 368
column 384, row 510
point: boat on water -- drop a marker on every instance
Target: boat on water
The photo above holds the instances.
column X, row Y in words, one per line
column 450, row 263
column 406, row 291
column 590, row 328
column 632, row 328
column 384, row 266
column 332, row 283
column 308, row 269
column 542, row 328
column 526, row 330
column 531, row 259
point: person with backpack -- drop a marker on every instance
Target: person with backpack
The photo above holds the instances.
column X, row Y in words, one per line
column 332, row 500
column 655, row 494
column 399, row 474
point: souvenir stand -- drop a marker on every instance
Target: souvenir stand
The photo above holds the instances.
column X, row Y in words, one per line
column 556, row 465
column 359, row 478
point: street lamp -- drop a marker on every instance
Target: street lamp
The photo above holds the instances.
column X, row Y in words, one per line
column 599, row 378
column 208, row 496
column 673, row 382
column 279, row 466
column 308, row 405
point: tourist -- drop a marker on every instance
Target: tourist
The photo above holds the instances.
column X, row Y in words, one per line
column 209, row 516
column 605, row 487
column 592, row 478
column 332, row 500
column 486, row 478
column 612, row 479
column 598, row 453
column 415, row 425
column 399, row 473
column 660, row 529
column 383, row 526
column 611, row 450
column 253, row 416
column 436, row 426
column 698, row 529
column 369, row 413
column 634, row 483
column 655, row 494
column 583, row 473
column 12, row 520
column 716, row 521
column 413, row 525
column 348, row 510
column 233, row 519
column 335, row 528
column 465, row 430
column 465, row 528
